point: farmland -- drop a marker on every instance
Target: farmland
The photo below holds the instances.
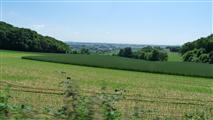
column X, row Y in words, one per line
column 114, row 62
column 161, row 94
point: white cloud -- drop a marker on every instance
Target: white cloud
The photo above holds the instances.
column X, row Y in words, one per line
column 38, row 26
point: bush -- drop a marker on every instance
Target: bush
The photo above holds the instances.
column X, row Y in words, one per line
column 196, row 55
column 204, row 58
column 211, row 57
column 11, row 111
column 201, row 114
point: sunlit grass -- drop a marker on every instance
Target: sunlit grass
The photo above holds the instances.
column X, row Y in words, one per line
column 173, row 56
column 48, row 75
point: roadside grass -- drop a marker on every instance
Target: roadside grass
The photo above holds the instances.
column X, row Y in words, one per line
column 48, row 75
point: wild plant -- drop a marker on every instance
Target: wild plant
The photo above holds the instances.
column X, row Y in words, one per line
column 10, row 111
column 4, row 103
column 76, row 106
column 108, row 104
column 200, row 114
column 136, row 114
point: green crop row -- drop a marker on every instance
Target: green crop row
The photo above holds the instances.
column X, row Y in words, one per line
column 114, row 62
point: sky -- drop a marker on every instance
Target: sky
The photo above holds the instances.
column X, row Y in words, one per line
column 148, row 22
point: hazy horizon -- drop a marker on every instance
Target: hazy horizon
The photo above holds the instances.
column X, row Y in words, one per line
column 155, row 23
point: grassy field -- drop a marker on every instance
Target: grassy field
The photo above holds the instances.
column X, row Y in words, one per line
column 161, row 94
column 173, row 56
column 115, row 62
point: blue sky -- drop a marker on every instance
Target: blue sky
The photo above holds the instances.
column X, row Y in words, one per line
column 171, row 23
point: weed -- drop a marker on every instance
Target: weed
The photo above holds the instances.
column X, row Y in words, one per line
column 108, row 104
column 200, row 114
column 76, row 106
column 10, row 111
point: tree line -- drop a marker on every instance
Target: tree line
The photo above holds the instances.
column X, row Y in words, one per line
column 147, row 53
column 200, row 50
column 21, row 39
column 85, row 51
column 174, row 48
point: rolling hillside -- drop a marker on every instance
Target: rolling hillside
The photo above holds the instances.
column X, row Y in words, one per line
column 22, row 39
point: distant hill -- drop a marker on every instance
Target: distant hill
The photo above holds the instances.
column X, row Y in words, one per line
column 108, row 47
column 200, row 50
column 21, row 39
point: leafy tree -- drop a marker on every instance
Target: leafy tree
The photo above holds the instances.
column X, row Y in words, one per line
column 147, row 49
column 84, row 51
column 126, row 52
column 211, row 57
column 187, row 47
column 74, row 52
column 146, row 53
column 204, row 58
column 154, row 56
column 199, row 50
column 121, row 52
column 3, row 38
column 163, row 56
column 174, row 48
column 142, row 55
column 13, row 38
column 188, row 56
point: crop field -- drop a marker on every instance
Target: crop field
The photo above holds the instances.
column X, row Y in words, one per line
column 114, row 62
column 157, row 95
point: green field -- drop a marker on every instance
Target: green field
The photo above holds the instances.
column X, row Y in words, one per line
column 114, row 62
column 161, row 94
column 173, row 56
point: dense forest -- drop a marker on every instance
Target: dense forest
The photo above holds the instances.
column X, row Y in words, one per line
column 21, row 39
column 200, row 50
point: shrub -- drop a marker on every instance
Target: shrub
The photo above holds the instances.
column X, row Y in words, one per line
column 211, row 57
column 201, row 114
column 204, row 58
column 10, row 111
column 4, row 103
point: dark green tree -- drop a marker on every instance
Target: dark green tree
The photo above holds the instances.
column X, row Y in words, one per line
column 13, row 38
column 85, row 51
column 199, row 50
column 211, row 57
column 126, row 52
column 146, row 53
column 204, row 58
